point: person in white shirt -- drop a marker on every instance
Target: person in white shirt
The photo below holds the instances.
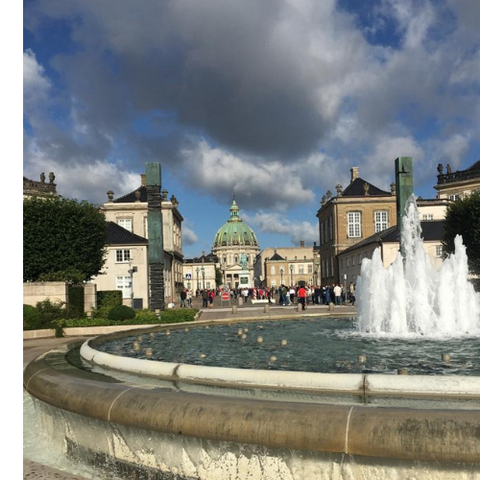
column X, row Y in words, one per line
column 337, row 291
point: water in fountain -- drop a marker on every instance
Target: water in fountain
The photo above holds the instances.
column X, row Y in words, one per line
column 411, row 297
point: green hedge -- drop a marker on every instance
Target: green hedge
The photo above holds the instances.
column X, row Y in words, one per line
column 178, row 316
column 142, row 317
column 76, row 300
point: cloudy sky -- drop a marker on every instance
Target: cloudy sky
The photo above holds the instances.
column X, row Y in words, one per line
column 274, row 100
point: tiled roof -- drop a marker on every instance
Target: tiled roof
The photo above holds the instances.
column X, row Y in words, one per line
column 475, row 166
column 431, row 230
column 210, row 258
column 356, row 189
column 130, row 197
column 276, row 256
column 117, row 235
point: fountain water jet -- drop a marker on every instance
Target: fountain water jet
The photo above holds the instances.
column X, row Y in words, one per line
column 411, row 297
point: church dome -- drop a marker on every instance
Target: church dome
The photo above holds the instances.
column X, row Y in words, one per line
column 235, row 232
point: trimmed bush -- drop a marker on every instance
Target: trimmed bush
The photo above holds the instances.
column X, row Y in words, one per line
column 146, row 316
column 31, row 318
column 106, row 300
column 178, row 316
column 121, row 312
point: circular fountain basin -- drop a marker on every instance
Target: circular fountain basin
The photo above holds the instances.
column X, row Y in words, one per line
column 195, row 421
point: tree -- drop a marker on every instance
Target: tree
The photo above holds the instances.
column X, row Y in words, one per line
column 63, row 239
column 463, row 218
column 218, row 277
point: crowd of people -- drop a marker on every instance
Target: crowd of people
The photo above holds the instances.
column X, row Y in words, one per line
column 303, row 294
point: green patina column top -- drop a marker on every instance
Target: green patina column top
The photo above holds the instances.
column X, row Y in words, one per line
column 153, row 174
column 404, row 188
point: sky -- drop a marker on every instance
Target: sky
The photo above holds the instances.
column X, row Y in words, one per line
column 271, row 101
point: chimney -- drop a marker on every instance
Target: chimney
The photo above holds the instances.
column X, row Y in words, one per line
column 302, row 243
column 354, row 172
column 143, row 177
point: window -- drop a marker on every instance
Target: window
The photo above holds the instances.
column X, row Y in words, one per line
column 207, row 285
column 439, row 250
column 224, row 259
column 124, row 283
column 347, row 262
column 354, row 224
column 125, row 223
column 353, row 260
column 381, row 220
column 235, row 258
column 427, row 216
column 310, row 269
column 330, row 228
column 123, row 256
column 454, row 197
column 331, row 266
column 272, row 270
column 300, row 269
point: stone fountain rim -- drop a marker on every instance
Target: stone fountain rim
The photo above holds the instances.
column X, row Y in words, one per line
column 363, row 384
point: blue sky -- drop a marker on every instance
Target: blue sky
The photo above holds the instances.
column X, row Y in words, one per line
column 274, row 101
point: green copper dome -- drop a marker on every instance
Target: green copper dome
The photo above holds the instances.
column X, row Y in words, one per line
column 234, row 232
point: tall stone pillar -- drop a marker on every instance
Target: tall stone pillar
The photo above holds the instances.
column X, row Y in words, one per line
column 404, row 188
column 155, row 236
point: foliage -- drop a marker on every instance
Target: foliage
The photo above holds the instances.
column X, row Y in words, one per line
column 51, row 312
column 31, row 318
column 178, row 316
column 76, row 301
column 463, row 218
column 121, row 312
column 218, row 277
column 62, row 239
column 106, row 300
column 145, row 316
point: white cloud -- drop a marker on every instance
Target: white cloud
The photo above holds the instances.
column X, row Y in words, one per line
column 36, row 85
column 257, row 184
column 189, row 237
column 277, row 223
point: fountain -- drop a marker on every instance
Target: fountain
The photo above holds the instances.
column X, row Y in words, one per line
column 422, row 301
column 156, row 409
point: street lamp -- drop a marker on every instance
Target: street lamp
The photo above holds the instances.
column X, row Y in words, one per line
column 203, row 276
column 291, row 274
column 198, row 278
column 281, row 275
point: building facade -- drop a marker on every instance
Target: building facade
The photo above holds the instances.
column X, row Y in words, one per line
column 199, row 273
column 455, row 185
column 286, row 266
column 354, row 214
column 34, row 188
column 350, row 260
column 236, row 246
column 130, row 212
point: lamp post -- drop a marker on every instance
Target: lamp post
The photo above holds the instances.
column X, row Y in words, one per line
column 198, row 278
column 281, row 275
column 203, row 276
column 291, row 274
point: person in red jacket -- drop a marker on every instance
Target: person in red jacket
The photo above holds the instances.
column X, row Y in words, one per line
column 302, row 296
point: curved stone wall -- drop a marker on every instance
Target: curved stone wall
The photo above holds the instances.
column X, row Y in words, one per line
column 112, row 414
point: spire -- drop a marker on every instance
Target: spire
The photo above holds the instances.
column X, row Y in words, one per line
column 234, row 212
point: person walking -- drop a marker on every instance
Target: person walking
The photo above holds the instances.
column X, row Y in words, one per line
column 302, row 296
column 292, row 292
column 189, row 298
column 183, row 298
column 204, row 298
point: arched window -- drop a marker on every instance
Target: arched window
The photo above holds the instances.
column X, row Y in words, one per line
column 235, row 258
column 224, row 259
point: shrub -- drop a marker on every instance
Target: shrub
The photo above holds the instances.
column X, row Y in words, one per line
column 146, row 316
column 50, row 312
column 178, row 316
column 31, row 318
column 121, row 312
column 106, row 300
column 76, row 301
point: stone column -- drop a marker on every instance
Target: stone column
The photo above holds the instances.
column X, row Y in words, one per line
column 155, row 236
column 404, row 188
